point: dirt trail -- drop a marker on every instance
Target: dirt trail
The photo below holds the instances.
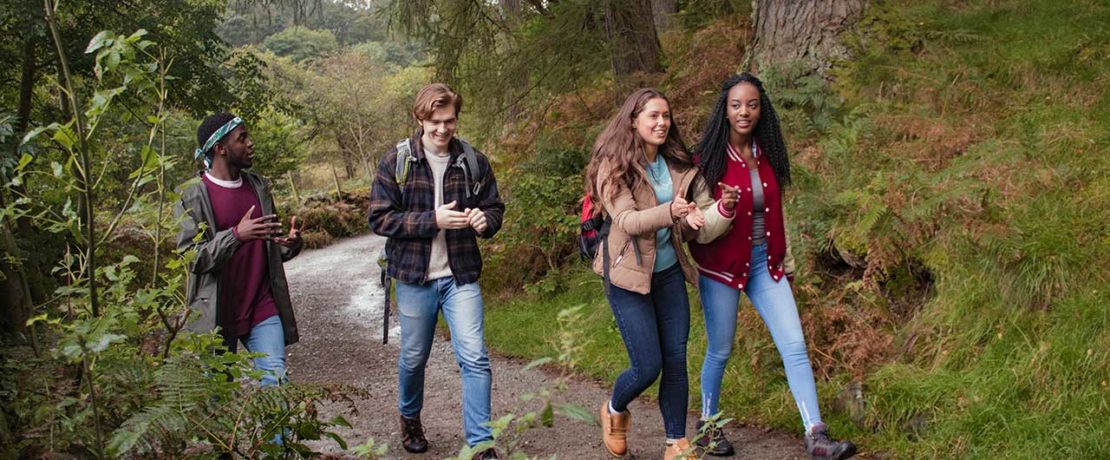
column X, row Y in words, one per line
column 338, row 302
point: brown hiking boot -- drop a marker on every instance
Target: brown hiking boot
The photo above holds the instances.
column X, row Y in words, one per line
column 614, row 430
column 412, row 435
column 680, row 450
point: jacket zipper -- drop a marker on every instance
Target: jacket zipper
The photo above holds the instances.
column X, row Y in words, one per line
column 624, row 250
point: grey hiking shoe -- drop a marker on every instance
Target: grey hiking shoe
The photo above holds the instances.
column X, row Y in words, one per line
column 820, row 447
column 721, row 447
column 485, row 455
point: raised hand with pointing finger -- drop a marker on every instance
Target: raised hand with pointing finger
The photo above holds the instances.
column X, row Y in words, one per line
column 729, row 196
column 257, row 228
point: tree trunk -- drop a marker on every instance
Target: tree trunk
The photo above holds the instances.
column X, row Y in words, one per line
column 345, row 153
column 663, row 11
column 338, row 189
column 631, row 31
column 293, row 187
column 800, row 32
column 19, row 276
column 369, row 168
column 15, row 290
column 511, row 10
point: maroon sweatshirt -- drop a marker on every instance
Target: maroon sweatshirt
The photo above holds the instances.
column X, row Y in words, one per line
column 245, row 296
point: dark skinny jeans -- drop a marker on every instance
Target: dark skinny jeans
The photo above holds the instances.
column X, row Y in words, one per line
column 655, row 328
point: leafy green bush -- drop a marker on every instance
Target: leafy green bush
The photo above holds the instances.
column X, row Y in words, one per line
column 539, row 233
column 325, row 218
column 300, row 43
column 948, row 214
column 108, row 370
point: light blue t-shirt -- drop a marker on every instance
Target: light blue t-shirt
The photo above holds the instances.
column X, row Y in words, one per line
column 660, row 179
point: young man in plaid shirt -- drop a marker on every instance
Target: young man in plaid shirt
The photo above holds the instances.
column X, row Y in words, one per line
column 433, row 213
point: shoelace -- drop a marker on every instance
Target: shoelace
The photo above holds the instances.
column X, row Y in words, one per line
column 821, row 443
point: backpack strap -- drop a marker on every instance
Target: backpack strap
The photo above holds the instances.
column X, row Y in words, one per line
column 605, row 255
column 403, row 164
column 603, row 233
column 472, row 169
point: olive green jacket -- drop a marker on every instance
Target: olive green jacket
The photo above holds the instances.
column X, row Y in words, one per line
column 214, row 250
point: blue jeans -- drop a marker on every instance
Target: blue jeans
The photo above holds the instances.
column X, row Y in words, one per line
column 266, row 337
column 775, row 303
column 655, row 328
column 417, row 307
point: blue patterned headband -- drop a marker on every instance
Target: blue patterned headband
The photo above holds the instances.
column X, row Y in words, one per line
column 214, row 138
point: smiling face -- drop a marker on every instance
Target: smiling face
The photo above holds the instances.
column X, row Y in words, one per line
column 237, row 148
column 743, row 109
column 653, row 122
column 439, row 128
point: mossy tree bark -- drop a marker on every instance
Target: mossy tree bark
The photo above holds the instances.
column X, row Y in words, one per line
column 663, row 11
column 800, row 32
column 630, row 27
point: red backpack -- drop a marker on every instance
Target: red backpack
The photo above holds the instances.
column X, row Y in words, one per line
column 592, row 230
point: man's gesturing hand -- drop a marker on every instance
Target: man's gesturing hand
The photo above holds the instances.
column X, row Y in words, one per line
column 477, row 220
column 446, row 219
column 294, row 237
column 258, row 228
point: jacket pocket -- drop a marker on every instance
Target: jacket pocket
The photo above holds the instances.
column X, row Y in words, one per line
column 624, row 252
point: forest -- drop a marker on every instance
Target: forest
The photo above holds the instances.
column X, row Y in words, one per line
column 949, row 210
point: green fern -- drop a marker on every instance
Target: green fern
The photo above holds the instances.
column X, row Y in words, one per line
column 182, row 388
column 197, row 400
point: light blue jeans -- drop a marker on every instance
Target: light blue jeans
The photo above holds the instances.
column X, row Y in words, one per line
column 462, row 307
column 775, row 303
column 266, row 337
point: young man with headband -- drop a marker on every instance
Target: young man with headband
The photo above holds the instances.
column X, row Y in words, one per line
column 237, row 281
column 433, row 196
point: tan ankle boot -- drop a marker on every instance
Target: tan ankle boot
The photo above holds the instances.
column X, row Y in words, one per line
column 614, row 430
column 677, row 451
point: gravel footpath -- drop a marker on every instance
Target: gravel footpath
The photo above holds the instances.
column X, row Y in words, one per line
column 338, row 303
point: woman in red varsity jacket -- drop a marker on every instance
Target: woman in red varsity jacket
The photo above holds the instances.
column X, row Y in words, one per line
column 742, row 155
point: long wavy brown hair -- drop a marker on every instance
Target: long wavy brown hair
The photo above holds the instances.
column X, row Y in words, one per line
column 622, row 151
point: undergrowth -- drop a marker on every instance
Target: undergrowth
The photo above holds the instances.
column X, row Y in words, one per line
column 952, row 189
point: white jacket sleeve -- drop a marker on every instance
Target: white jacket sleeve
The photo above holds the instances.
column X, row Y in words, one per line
column 716, row 224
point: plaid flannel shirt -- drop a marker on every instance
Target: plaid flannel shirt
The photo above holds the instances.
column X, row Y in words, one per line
column 409, row 221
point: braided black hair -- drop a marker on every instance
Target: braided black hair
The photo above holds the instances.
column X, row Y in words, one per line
column 210, row 125
column 711, row 148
